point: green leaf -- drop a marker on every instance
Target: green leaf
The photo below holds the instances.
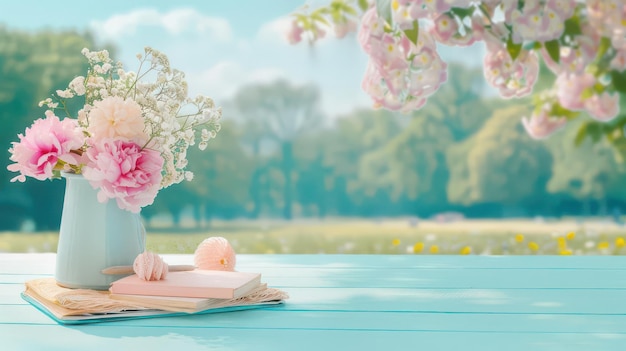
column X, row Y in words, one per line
column 413, row 34
column 558, row 110
column 320, row 11
column 342, row 7
column 605, row 44
column 554, row 49
column 618, row 80
column 363, row 5
column 319, row 17
column 594, row 130
column 383, row 8
column 531, row 45
column 462, row 12
column 513, row 49
column 581, row 134
column 572, row 26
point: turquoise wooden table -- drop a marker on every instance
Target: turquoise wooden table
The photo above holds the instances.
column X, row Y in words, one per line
column 361, row 302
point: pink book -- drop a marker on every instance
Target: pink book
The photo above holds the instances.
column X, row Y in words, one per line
column 196, row 283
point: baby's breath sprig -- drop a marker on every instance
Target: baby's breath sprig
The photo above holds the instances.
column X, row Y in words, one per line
column 171, row 118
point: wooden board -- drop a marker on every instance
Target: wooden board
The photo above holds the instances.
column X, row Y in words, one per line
column 364, row 302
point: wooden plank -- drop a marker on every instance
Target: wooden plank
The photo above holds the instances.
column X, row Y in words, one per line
column 116, row 337
column 277, row 318
column 526, row 301
column 44, row 263
column 365, row 302
column 424, row 278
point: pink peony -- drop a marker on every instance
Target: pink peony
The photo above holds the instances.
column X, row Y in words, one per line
column 41, row 147
column 114, row 117
column 122, row 170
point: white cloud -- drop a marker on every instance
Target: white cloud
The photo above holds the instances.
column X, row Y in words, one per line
column 274, row 31
column 224, row 79
column 175, row 22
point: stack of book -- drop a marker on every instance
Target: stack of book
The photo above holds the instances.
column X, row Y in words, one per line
column 187, row 292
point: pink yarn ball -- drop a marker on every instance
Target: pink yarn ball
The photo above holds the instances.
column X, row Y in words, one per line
column 216, row 254
column 150, row 266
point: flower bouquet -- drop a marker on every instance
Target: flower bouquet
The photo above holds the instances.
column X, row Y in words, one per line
column 129, row 139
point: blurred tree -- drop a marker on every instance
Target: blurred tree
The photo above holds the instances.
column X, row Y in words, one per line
column 280, row 113
column 459, row 103
column 221, row 173
column 500, row 164
column 354, row 135
column 32, row 66
column 585, row 173
column 411, row 167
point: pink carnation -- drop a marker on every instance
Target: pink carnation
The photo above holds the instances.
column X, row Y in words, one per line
column 122, row 170
column 41, row 147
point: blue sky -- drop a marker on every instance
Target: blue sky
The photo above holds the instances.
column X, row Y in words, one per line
column 220, row 45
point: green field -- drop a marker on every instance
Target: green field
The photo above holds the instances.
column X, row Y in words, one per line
column 392, row 236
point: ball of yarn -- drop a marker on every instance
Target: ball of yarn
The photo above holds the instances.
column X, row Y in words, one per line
column 150, row 266
column 215, row 253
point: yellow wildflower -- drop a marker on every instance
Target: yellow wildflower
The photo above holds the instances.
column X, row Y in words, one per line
column 519, row 238
column 434, row 249
column 418, row 247
column 395, row 242
column 466, row 250
column 566, row 252
column 619, row 242
column 603, row 245
column 533, row 246
column 562, row 243
column 570, row 236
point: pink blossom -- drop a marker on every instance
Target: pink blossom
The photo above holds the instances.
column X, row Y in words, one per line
column 343, row 28
column 576, row 57
column 570, row 88
column 606, row 16
column 538, row 20
column 114, row 117
column 388, row 53
column 401, row 74
column 294, row 35
column 372, row 28
column 603, row 107
column 541, row 125
column 445, row 27
column 513, row 78
column 43, row 145
column 122, row 170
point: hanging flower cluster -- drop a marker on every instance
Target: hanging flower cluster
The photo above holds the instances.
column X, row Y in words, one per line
column 582, row 42
column 129, row 139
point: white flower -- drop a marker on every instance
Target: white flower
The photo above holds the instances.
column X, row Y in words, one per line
column 66, row 94
column 78, row 85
